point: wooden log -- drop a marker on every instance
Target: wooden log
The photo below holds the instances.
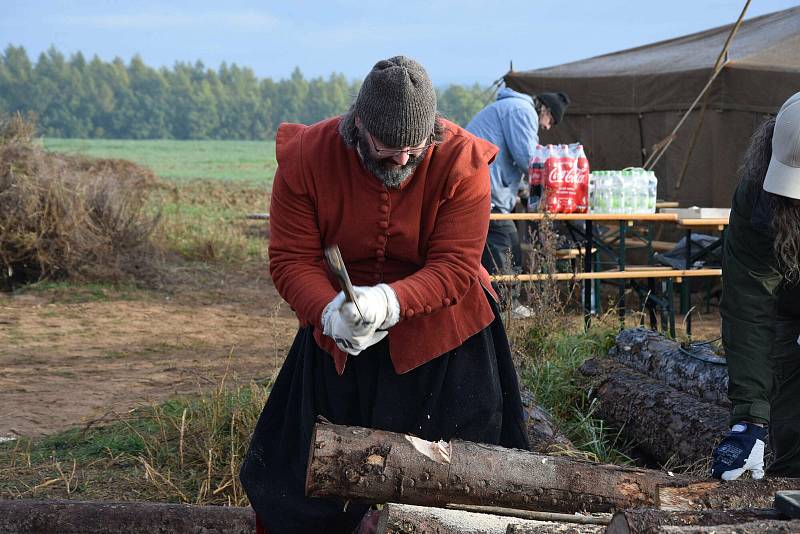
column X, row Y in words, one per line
column 718, row 495
column 754, row 527
column 410, row 519
column 698, row 371
column 645, row 520
column 90, row 517
column 554, row 528
column 367, row 465
column 594, row 519
column 543, row 435
column 667, row 424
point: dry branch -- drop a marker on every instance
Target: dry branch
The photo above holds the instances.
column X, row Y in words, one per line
column 367, row 465
column 77, row 517
column 645, row 520
column 667, row 424
column 662, row 359
column 717, row 495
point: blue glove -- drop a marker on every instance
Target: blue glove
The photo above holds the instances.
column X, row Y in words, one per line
column 741, row 450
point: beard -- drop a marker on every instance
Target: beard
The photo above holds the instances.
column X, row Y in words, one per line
column 390, row 175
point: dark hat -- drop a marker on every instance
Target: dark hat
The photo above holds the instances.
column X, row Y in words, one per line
column 397, row 102
column 557, row 104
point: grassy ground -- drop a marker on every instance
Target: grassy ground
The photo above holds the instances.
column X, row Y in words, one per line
column 251, row 161
column 208, row 188
column 187, row 448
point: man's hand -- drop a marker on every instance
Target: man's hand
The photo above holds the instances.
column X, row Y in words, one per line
column 741, row 450
column 379, row 307
column 349, row 338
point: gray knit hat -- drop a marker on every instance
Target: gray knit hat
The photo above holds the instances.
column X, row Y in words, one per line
column 397, row 103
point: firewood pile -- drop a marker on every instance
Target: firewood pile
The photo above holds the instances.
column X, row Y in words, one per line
column 460, row 486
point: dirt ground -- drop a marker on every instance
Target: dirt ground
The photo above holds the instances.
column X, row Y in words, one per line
column 72, row 356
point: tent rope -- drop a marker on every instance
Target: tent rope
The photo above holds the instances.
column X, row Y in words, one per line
column 718, row 66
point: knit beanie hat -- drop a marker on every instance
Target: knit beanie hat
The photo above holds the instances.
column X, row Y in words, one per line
column 557, row 104
column 397, row 103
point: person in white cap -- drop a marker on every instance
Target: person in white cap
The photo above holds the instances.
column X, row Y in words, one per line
column 761, row 304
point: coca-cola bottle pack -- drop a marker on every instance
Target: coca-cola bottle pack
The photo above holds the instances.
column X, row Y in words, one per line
column 565, row 178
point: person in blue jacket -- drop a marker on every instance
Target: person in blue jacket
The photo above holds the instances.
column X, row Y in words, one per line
column 512, row 123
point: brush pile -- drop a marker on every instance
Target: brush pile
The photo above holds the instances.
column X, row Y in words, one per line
column 71, row 217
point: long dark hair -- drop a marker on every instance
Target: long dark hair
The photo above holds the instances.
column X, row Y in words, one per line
column 785, row 222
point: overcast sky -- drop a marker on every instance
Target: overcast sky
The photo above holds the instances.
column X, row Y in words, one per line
column 458, row 41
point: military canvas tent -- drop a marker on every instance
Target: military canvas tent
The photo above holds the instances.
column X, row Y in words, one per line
column 625, row 102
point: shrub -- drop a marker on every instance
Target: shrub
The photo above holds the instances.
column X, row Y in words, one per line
column 71, row 217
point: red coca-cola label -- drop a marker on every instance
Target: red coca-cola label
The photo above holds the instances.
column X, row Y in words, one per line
column 566, row 180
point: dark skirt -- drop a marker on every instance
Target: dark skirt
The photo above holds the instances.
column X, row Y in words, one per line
column 469, row 393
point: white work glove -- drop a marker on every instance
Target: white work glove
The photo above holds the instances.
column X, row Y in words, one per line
column 741, row 450
column 352, row 334
column 379, row 307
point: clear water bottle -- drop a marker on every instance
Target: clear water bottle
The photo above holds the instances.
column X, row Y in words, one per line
column 652, row 191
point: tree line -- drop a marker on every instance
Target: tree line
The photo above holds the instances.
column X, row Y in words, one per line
column 76, row 98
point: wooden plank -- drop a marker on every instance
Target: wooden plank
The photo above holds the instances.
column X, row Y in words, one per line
column 609, row 275
column 663, row 246
column 702, row 223
column 667, row 217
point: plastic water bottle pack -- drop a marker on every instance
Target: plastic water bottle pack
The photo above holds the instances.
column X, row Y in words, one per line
column 631, row 190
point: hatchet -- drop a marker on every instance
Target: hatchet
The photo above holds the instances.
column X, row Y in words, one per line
column 333, row 257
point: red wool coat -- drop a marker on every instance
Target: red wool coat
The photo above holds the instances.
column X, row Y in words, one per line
column 424, row 239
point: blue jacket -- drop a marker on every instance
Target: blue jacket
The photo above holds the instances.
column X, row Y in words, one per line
column 512, row 124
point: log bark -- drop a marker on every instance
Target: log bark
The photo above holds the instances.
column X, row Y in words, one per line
column 367, row 465
column 667, row 424
column 563, row 528
column 90, row 517
column 410, row 519
column 645, row 520
column 755, row 527
column 543, row 435
column 702, row 374
column 731, row 495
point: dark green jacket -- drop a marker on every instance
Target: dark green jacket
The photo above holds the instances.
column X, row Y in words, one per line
column 753, row 297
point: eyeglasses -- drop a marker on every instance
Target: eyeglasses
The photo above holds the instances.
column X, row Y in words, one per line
column 392, row 152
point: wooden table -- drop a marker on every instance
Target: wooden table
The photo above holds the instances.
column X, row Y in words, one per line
column 624, row 219
column 689, row 225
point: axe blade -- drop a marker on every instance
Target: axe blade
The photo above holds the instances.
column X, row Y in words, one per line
column 333, row 257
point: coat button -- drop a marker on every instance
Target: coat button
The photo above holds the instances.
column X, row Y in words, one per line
column 427, row 309
column 384, row 208
column 409, row 313
column 382, row 239
column 379, row 252
column 380, row 260
column 384, row 196
column 445, row 302
column 384, row 224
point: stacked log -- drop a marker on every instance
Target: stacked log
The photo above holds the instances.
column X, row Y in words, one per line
column 671, row 402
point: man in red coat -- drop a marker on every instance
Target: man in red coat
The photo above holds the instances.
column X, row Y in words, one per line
column 405, row 196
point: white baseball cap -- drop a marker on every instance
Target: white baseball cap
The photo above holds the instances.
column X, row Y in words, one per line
column 783, row 173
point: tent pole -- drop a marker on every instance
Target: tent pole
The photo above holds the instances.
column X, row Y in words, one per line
column 722, row 58
column 655, row 156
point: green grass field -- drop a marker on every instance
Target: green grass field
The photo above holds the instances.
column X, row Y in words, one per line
column 251, row 161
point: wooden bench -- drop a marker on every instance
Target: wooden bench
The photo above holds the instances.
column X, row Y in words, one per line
column 631, row 273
